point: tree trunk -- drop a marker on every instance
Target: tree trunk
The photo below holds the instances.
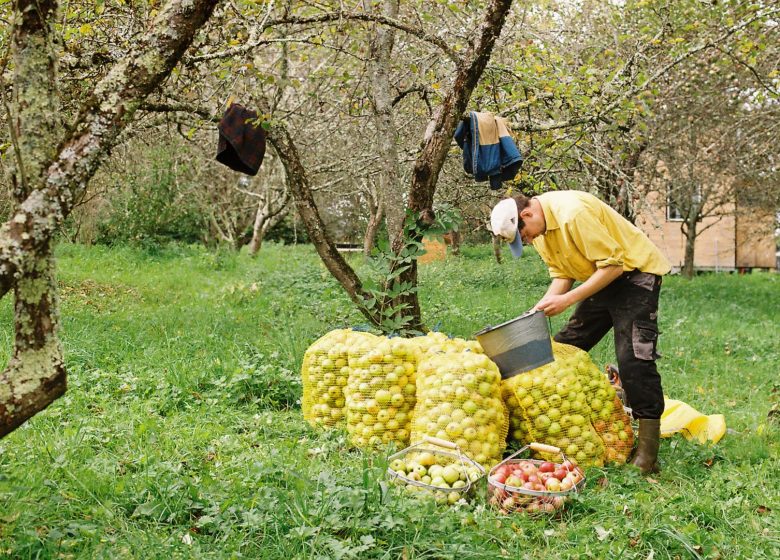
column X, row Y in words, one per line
column 689, row 231
column 438, row 140
column 107, row 111
column 390, row 192
column 497, row 248
column 51, row 174
column 35, row 375
column 376, row 215
column 298, row 182
column 257, row 229
column 454, row 239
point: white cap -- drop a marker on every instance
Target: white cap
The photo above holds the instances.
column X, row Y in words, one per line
column 503, row 222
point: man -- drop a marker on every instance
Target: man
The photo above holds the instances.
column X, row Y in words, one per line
column 582, row 239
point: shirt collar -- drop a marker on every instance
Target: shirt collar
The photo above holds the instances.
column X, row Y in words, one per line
column 549, row 218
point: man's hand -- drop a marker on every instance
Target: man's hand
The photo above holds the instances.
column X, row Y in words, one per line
column 553, row 304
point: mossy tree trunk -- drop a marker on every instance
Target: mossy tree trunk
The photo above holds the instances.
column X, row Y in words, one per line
column 52, row 169
column 35, row 375
column 438, row 139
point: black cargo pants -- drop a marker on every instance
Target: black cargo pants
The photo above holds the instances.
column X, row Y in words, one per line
column 629, row 305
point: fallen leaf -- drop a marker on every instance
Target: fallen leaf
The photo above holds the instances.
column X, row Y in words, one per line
column 602, row 533
column 603, row 482
column 651, row 480
column 762, row 510
column 709, row 462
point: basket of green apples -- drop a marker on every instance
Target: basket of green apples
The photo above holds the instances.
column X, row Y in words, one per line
column 435, row 467
column 533, row 485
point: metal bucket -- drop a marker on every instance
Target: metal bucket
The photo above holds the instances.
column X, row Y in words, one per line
column 518, row 345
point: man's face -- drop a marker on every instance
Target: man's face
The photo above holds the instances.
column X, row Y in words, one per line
column 533, row 227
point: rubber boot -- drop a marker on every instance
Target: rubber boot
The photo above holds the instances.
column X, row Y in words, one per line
column 646, row 456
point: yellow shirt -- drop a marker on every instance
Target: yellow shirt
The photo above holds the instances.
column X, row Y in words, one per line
column 584, row 234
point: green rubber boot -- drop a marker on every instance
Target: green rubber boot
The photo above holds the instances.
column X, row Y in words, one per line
column 646, row 456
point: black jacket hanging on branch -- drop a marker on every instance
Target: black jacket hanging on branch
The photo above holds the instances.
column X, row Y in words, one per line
column 241, row 140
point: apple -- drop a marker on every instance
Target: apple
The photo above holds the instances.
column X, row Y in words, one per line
column 499, row 477
column 514, row 481
column 547, row 466
column 552, row 484
column 450, row 474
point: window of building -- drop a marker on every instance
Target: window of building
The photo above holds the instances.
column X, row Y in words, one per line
column 678, row 202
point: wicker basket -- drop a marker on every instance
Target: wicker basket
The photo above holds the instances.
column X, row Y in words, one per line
column 415, row 469
column 510, row 489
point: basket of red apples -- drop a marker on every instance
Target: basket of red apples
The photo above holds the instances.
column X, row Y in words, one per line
column 533, row 485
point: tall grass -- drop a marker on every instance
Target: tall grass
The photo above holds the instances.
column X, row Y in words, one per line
column 180, row 435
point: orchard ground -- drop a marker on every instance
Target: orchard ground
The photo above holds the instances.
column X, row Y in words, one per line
column 181, row 434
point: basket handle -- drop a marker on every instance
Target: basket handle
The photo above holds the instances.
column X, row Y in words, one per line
column 543, row 447
column 440, row 442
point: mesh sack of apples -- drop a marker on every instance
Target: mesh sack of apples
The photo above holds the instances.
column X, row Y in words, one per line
column 607, row 415
column 555, row 402
column 324, row 374
column 435, row 342
column 533, row 485
column 437, row 468
column 519, row 431
column 459, row 400
column 380, row 392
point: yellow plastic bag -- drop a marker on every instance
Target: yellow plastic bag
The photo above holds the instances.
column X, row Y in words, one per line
column 679, row 417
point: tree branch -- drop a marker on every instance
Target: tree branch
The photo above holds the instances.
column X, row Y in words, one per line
column 328, row 17
column 105, row 114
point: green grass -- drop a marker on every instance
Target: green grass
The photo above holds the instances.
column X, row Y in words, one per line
column 180, row 435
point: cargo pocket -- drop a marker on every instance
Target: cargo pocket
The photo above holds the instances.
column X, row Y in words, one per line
column 644, row 337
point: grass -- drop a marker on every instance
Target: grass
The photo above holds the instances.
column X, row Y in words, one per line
column 180, row 435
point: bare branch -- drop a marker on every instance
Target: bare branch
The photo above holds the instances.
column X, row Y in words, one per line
column 328, row 17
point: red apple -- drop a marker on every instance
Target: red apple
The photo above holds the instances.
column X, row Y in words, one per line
column 528, row 468
column 547, row 467
column 504, row 470
column 560, row 472
column 545, row 476
column 499, row 477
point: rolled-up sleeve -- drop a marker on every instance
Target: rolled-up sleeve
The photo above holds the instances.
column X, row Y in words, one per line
column 594, row 241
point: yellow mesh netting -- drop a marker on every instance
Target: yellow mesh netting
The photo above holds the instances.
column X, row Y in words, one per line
column 459, row 400
column 380, row 394
column 570, row 404
column 324, row 375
